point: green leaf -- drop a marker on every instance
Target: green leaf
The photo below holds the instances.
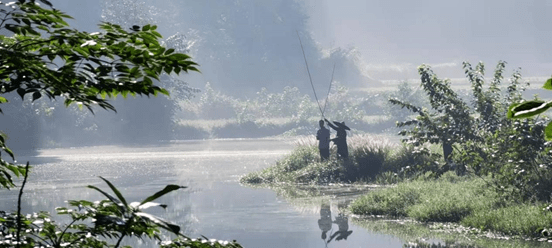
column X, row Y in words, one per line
column 548, row 84
column 3, row 100
column 161, row 223
column 548, row 131
column 167, row 189
column 110, row 197
column 116, row 191
column 527, row 109
column 169, row 51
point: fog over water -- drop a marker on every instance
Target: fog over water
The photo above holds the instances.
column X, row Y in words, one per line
column 247, row 45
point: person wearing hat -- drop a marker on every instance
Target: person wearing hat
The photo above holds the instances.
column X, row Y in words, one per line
column 341, row 138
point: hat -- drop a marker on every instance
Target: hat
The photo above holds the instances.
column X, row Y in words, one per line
column 341, row 125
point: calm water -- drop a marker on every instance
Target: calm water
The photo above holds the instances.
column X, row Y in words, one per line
column 214, row 205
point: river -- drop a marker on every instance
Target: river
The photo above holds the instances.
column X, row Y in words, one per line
column 214, row 204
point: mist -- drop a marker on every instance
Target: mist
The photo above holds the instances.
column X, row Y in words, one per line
column 250, row 51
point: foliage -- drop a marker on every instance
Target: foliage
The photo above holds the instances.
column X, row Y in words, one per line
column 464, row 200
column 95, row 224
column 524, row 219
column 531, row 108
column 159, row 123
column 369, row 156
column 392, row 201
column 406, row 93
column 450, row 121
column 485, row 140
column 44, row 57
column 290, row 106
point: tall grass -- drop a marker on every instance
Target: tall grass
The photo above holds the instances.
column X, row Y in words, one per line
column 456, row 199
column 368, row 156
column 450, row 198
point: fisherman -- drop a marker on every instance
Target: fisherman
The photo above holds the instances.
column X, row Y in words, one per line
column 323, row 137
column 341, row 138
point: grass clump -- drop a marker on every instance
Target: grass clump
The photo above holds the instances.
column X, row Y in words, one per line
column 301, row 166
column 369, row 157
column 449, row 198
column 390, row 201
column 464, row 200
column 523, row 219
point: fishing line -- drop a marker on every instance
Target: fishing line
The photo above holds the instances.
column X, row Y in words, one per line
column 310, row 78
column 329, row 88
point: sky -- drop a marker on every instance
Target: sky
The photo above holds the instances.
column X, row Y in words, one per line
column 399, row 34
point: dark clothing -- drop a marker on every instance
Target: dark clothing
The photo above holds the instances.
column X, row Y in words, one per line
column 323, row 137
column 340, row 141
column 324, row 153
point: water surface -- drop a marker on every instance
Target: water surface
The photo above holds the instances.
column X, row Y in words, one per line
column 214, row 205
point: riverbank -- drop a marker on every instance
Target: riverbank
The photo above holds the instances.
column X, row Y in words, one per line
column 471, row 202
column 424, row 196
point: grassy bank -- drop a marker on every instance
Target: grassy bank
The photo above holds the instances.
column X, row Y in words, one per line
column 419, row 194
column 371, row 159
column 468, row 201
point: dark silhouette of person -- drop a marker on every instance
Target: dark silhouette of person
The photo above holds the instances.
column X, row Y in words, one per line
column 325, row 221
column 323, row 137
column 341, row 138
column 342, row 222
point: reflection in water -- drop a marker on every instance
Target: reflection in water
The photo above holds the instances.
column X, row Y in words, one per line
column 325, row 224
column 217, row 207
column 325, row 221
column 342, row 222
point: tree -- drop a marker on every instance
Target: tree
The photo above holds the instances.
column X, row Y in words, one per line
column 44, row 57
column 449, row 122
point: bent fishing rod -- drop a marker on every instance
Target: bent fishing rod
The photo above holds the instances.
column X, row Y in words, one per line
column 328, row 95
column 308, row 71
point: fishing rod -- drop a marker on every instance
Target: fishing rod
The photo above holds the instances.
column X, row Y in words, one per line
column 310, row 78
column 329, row 88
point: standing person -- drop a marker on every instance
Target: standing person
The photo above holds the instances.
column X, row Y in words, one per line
column 323, row 137
column 340, row 139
